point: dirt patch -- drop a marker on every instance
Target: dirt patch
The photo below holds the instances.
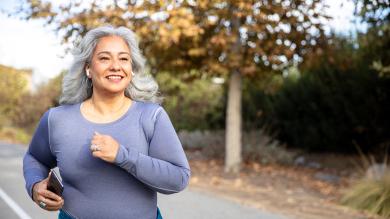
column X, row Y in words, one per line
column 293, row 191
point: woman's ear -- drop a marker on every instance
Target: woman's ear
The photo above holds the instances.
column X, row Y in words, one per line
column 87, row 72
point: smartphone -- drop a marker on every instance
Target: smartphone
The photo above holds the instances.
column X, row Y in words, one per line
column 55, row 184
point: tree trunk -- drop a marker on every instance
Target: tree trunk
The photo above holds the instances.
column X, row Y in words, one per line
column 233, row 125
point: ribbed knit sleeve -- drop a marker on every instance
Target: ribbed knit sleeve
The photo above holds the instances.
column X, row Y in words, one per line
column 38, row 159
column 165, row 169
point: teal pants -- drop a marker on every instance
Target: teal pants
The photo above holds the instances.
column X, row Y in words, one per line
column 64, row 215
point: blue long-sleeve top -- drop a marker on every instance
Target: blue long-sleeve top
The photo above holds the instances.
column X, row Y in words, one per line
column 150, row 160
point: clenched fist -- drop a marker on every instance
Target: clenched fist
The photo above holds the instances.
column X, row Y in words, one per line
column 104, row 147
column 45, row 198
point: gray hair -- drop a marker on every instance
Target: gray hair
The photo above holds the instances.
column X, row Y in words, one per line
column 77, row 87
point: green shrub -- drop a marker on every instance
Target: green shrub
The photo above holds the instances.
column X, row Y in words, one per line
column 371, row 195
column 197, row 104
column 372, row 192
column 339, row 99
column 328, row 110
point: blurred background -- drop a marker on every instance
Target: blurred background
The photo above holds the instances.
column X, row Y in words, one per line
column 280, row 105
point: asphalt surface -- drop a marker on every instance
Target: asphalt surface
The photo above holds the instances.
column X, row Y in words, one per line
column 189, row 204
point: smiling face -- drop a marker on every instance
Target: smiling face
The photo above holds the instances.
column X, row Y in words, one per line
column 110, row 67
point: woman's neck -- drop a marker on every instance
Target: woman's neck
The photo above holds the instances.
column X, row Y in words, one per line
column 108, row 105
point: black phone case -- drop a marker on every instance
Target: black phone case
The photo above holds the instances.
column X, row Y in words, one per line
column 55, row 184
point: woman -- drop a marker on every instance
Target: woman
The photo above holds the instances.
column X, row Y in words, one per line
column 113, row 146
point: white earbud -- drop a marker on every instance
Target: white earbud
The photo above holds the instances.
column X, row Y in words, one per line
column 87, row 71
column 132, row 73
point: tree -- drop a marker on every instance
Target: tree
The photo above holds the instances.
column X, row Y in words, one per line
column 224, row 38
column 376, row 40
column 180, row 100
column 13, row 85
column 26, row 112
column 374, row 12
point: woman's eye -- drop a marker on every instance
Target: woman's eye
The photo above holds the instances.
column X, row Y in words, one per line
column 125, row 59
column 103, row 58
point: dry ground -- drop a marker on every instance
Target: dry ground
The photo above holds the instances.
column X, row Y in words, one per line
column 292, row 191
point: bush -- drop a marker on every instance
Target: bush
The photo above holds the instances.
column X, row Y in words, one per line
column 328, row 110
column 193, row 105
column 338, row 99
column 13, row 85
column 15, row 135
column 26, row 112
column 371, row 195
column 257, row 146
column 372, row 192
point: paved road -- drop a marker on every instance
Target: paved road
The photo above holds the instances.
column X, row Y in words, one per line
column 190, row 204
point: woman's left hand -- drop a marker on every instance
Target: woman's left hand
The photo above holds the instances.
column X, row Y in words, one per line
column 104, row 147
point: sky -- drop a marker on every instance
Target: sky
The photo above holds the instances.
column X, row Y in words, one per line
column 28, row 44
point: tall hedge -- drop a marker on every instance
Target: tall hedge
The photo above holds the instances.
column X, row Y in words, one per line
column 330, row 110
column 340, row 100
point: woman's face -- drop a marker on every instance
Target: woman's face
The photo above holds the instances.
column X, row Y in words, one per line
column 110, row 67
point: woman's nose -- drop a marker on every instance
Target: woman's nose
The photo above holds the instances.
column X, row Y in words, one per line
column 115, row 66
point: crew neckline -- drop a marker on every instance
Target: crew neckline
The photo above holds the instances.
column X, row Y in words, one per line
column 131, row 107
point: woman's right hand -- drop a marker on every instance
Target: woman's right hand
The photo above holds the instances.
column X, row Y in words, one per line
column 45, row 198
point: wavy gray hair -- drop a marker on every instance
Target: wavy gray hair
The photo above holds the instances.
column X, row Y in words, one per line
column 76, row 87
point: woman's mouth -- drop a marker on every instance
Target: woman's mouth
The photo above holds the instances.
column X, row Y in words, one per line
column 115, row 78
